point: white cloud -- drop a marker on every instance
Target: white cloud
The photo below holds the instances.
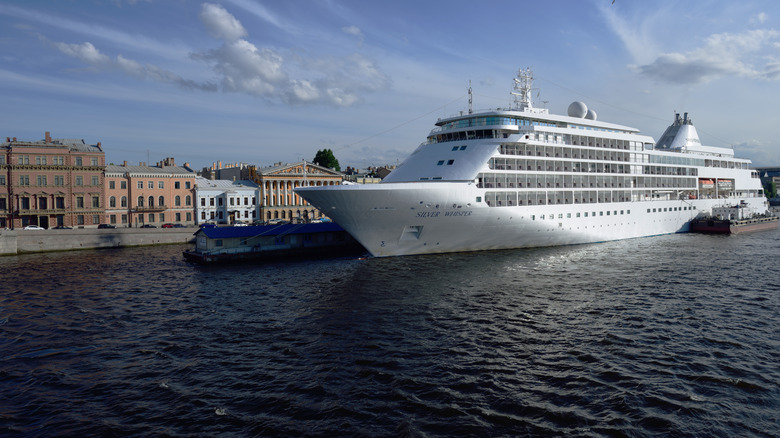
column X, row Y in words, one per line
column 354, row 31
column 220, row 23
column 85, row 52
column 722, row 55
column 759, row 18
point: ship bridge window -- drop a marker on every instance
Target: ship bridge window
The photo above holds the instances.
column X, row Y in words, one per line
column 440, row 162
column 449, row 162
column 463, row 148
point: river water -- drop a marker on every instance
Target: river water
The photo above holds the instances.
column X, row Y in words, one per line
column 673, row 335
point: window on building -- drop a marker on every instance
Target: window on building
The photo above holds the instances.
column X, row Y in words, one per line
column 176, row 184
column 2, row 159
column 220, row 202
column 112, row 202
column 187, row 200
column 123, row 201
column 151, row 184
column 24, row 203
column 161, row 185
column 140, row 184
column 202, row 202
column 186, row 184
column 112, row 219
column 161, row 201
column 59, row 202
column 24, row 180
column 79, row 180
column 178, row 217
column 79, row 202
column 3, row 204
column 140, row 201
column 124, row 218
column 189, row 217
column 79, row 161
column 151, row 201
column 42, row 180
column 112, row 185
column 177, row 201
column 211, row 202
column 2, row 180
column 162, row 217
column 95, row 219
column 94, row 161
column 95, row 180
column 151, row 217
column 123, row 185
column 59, row 180
column 80, row 219
column 232, row 200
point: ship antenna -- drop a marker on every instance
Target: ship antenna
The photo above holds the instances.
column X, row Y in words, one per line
column 471, row 108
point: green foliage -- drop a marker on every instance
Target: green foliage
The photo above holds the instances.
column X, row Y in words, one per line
column 326, row 158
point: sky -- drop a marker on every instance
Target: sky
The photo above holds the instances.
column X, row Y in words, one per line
column 261, row 82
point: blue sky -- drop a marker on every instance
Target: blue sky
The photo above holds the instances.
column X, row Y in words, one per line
column 274, row 81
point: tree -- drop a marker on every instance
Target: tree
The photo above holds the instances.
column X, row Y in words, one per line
column 325, row 158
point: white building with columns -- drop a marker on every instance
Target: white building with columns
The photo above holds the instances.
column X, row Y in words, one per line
column 279, row 201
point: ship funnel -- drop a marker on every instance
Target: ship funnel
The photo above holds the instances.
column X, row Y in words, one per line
column 679, row 135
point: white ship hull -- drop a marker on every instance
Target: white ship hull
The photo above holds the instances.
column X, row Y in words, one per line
column 426, row 218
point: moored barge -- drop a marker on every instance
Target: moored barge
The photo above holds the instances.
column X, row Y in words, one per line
column 271, row 242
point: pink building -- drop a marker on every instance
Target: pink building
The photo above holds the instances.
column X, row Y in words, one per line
column 149, row 195
column 51, row 182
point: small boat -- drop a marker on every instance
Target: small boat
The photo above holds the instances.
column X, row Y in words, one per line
column 733, row 220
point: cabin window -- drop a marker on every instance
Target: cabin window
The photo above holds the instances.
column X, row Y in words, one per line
column 218, row 242
column 455, row 148
column 449, row 162
column 463, row 148
column 440, row 162
column 479, row 198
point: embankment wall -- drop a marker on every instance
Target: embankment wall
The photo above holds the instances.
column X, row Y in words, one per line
column 27, row 241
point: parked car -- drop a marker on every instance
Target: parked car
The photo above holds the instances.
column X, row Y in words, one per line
column 62, row 227
column 33, row 227
column 148, row 226
column 106, row 226
column 240, row 224
column 167, row 226
column 178, row 226
column 207, row 225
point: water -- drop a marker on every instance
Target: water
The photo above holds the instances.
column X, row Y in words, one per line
column 666, row 336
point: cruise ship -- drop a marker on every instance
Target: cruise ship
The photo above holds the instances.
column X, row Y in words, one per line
column 521, row 177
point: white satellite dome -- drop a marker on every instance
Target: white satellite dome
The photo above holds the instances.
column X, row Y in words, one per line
column 578, row 109
column 591, row 115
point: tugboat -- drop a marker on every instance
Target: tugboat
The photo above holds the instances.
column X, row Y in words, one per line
column 733, row 220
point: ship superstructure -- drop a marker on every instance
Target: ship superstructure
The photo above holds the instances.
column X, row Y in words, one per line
column 522, row 177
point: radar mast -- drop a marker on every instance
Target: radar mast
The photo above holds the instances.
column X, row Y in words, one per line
column 522, row 91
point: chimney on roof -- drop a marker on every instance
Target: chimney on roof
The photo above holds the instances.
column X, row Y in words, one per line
column 219, row 163
column 124, row 164
column 48, row 137
column 98, row 146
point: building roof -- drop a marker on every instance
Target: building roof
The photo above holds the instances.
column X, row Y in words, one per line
column 268, row 230
column 205, row 183
column 167, row 170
